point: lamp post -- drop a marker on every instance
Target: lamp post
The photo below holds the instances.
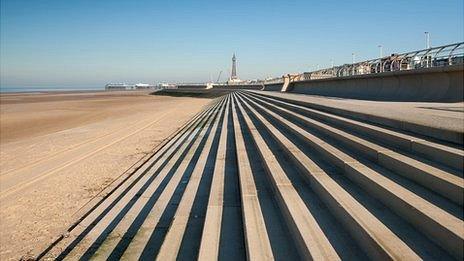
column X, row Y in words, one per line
column 427, row 40
column 427, row 46
column 332, row 66
column 352, row 63
column 380, row 57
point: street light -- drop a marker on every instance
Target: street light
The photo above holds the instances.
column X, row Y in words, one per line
column 332, row 66
column 427, row 46
column 380, row 56
column 427, row 40
column 352, row 63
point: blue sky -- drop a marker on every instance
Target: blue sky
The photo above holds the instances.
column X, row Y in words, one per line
column 90, row 43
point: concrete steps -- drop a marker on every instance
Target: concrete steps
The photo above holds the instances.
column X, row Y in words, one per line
column 447, row 183
column 442, row 128
column 258, row 178
column 348, row 164
column 449, row 156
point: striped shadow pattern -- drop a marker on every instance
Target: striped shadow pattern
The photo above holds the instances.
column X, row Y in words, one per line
column 253, row 177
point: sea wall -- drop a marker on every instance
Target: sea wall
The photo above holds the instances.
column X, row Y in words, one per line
column 193, row 86
column 429, row 84
column 240, row 87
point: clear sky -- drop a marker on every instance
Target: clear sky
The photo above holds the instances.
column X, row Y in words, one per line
column 90, row 43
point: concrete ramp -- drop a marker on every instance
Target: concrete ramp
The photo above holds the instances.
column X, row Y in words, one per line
column 273, row 87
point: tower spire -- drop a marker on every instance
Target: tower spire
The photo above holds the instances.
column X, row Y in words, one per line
column 233, row 74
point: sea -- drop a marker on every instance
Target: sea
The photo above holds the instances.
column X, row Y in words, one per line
column 48, row 89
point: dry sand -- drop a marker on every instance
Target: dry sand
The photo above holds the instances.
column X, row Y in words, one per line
column 58, row 150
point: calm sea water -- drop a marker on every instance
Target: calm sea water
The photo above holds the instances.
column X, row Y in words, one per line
column 48, row 89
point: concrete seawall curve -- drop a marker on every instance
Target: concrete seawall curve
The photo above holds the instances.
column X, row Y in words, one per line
column 440, row 84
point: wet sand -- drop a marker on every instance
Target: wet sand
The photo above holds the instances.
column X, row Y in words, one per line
column 59, row 150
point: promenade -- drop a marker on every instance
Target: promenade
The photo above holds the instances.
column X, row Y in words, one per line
column 261, row 176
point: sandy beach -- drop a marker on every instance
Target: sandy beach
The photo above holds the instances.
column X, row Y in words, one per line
column 59, row 150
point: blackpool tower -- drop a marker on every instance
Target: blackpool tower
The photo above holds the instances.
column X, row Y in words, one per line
column 233, row 74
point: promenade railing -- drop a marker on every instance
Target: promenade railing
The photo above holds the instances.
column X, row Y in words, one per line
column 440, row 56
